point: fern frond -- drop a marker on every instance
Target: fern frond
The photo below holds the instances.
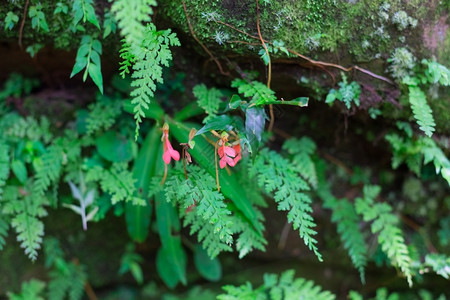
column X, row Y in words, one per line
column 207, row 204
column 30, row 290
column 277, row 287
column 258, row 92
column 384, row 222
column 208, row 99
column 117, row 181
column 4, row 226
column 440, row 263
column 4, row 165
column 102, row 114
column 131, row 16
column 421, row 110
column 150, row 56
column 347, row 221
column 280, row 177
column 302, row 149
column 49, row 170
column 30, row 231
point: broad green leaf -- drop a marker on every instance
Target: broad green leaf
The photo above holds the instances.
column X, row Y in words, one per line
column 171, row 262
column 95, row 73
column 19, row 169
column 300, row 101
column 203, row 154
column 137, row 216
column 210, row 269
column 166, row 217
column 114, row 147
column 223, row 122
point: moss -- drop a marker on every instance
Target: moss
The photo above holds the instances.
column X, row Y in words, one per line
column 365, row 30
column 440, row 107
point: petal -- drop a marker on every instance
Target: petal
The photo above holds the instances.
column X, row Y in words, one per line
column 166, row 157
column 175, row 154
column 222, row 163
column 220, row 151
column 237, row 158
column 230, row 151
column 230, row 161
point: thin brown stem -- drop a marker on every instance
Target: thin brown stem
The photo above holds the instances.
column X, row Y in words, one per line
column 165, row 175
column 217, row 169
column 201, row 44
column 90, row 291
column 22, row 24
column 269, row 66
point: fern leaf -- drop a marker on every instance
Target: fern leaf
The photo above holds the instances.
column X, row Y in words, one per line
column 30, row 231
column 102, row 114
column 258, row 92
column 117, row 181
column 276, row 288
column 208, row 99
column 280, row 177
column 4, row 165
column 149, row 58
column 440, row 263
column 131, row 16
column 30, row 290
column 384, row 223
column 302, row 149
column 421, row 110
column 4, row 226
column 49, row 170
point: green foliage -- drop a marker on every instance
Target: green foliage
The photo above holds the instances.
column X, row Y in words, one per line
column 258, row 92
column 200, row 193
column 117, row 181
column 4, row 165
column 421, row 110
column 38, row 20
column 84, row 10
column 130, row 16
column 437, row 73
column 440, row 264
column 88, row 58
column 4, row 226
column 384, row 223
column 276, row 288
column 208, row 99
column 130, row 262
column 402, row 62
column 416, row 151
column 103, row 114
column 67, row 279
column 30, row 290
column 348, row 93
column 148, row 57
column 11, row 19
column 278, row 176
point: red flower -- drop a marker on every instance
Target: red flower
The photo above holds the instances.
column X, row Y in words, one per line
column 227, row 156
column 238, row 156
column 169, row 152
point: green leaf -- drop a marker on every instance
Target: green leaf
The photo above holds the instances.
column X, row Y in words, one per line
column 19, row 169
column 300, row 101
column 166, row 217
column 137, row 216
column 210, row 269
column 114, row 147
column 222, row 122
column 171, row 262
column 203, row 153
column 96, row 74
column 422, row 111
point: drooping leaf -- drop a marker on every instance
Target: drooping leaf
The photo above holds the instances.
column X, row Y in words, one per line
column 210, row 269
column 222, row 122
column 171, row 262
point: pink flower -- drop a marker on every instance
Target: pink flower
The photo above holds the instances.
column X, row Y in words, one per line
column 227, row 156
column 238, row 157
column 169, row 152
